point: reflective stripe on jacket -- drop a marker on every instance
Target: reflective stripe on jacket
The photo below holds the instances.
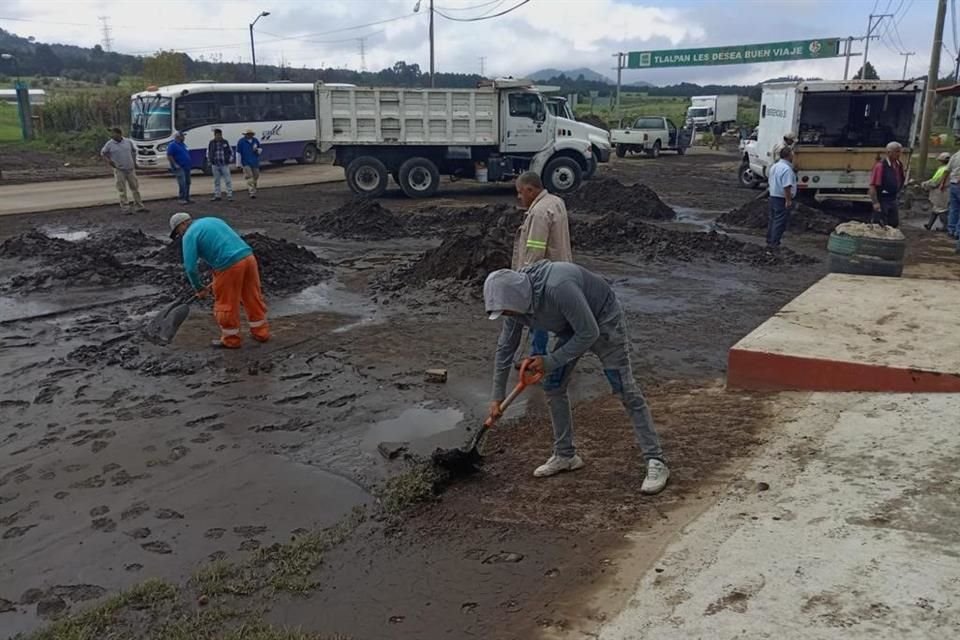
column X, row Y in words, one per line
column 544, row 234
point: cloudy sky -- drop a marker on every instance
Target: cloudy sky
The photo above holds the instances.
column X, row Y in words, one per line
column 562, row 34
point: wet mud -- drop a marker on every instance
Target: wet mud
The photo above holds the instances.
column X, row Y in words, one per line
column 605, row 195
column 755, row 215
column 128, row 461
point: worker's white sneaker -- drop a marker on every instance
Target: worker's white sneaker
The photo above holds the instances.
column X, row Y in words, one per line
column 656, row 480
column 557, row 464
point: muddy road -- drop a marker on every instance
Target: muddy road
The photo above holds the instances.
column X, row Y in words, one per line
column 121, row 460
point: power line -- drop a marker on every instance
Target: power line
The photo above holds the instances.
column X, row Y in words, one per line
column 476, row 6
column 363, row 54
column 152, row 27
column 107, row 41
column 487, row 17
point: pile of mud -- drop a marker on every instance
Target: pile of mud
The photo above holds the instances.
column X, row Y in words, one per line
column 608, row 195
column 84, row 263
column 360, row 219
column 123, row 241
column 454, row 270
column 285, row 267
column 481, row 219
column 618, row 234
column 756, row 214
column 595, row 120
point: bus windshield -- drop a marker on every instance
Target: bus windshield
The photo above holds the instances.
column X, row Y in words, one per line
column 151, row 118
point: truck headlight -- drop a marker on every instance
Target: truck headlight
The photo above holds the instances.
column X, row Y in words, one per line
column 162, row 147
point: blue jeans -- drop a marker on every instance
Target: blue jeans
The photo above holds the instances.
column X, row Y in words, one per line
column 779, row 219
column 612, row 347
column 222, row 171
column 538, row 342
column 953, row 220
column 183, row 183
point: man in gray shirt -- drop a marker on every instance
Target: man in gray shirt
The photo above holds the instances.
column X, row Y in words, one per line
column 582, row 310
column 121, row 154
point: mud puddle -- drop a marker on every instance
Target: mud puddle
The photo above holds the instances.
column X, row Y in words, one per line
column 411, row 425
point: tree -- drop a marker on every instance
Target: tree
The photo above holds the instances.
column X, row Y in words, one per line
column 165, row 67
column 46, row 61
column 871, row 73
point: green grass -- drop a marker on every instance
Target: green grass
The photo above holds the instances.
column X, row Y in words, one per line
column 415, row 486
column 9, row 123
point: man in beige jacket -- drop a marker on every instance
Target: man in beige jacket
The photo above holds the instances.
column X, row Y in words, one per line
column 544, row 235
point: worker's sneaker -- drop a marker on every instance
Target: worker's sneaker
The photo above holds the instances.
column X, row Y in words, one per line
column 557, row 464
column 217, row 343
column 657, row 476
column 142, row 209
column 215, row 199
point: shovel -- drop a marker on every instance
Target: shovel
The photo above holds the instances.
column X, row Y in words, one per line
column 464, row 461
column 163, row 328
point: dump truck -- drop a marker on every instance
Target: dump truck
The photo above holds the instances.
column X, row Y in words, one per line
column 492, row 133
column 705, row 111
column 842, row 127
column 599, row 138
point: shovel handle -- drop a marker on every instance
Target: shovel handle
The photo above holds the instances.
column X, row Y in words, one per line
column 526, row 379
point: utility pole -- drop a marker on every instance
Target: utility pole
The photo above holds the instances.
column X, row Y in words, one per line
column 866, row 44
column 847, row 51
column 932, row 75
column 253, row 51
column 483, row 60
column 107, row 39
column 619, row 57
column 433, row 81
column 363, row 54
column 906, row 56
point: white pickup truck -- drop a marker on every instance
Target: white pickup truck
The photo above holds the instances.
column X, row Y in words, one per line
column 650, row 135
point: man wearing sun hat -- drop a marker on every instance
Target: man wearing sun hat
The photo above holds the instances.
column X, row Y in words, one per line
column 583, row 311
column 236, row 276
column 248, row 154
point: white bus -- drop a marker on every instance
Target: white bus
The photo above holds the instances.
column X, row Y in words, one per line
column 281, row 113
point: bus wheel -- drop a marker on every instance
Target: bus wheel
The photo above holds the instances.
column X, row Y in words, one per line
column 419, row 178
column 367, row 177
column 310, row 154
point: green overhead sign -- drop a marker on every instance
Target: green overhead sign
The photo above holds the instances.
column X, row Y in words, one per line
column 738, row 54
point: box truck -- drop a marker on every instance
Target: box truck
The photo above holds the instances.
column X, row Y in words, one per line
column 704, row 111
column 491, row 134
column 842, row 128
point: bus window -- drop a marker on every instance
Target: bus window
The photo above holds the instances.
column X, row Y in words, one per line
column 298, row 105
column 229, row 110
column 195, row 111
column 252, row 106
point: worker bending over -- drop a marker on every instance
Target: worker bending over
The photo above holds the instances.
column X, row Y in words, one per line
column 236, row 277
column 583, row 311
column 544, row 235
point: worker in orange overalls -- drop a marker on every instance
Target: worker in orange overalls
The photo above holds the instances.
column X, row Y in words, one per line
column 236, row 277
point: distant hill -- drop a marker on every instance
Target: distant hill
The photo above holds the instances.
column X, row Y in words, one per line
column 588, row 74
column 639, row 83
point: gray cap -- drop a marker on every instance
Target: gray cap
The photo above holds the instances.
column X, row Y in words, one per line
column 176, row 220
column 507, row 290
column 790, row 136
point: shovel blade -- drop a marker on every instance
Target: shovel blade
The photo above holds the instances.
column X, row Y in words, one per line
column 163, row 328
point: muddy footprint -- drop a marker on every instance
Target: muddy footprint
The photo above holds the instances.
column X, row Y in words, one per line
column 249, row 531
column 139, row 533
column 104, row 524
column 17, row 532
column 167, row 514
column 157, row 546
column 214, row 534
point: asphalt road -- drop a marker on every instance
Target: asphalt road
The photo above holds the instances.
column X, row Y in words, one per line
column 50, row 196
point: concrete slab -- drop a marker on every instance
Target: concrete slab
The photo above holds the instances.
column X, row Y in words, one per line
column 49, row 196
column 857, row 537
column 856, row 333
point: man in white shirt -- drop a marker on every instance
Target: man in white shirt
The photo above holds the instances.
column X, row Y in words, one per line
column 121, row 154
column 783, row 187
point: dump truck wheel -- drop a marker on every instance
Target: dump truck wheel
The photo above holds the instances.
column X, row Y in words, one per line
column 419, row 178
column 367, row 177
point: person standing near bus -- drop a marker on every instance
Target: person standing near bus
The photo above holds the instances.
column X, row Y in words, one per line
column 179, row 159
column 121, row 154
column 248, row 151
column 220, row 157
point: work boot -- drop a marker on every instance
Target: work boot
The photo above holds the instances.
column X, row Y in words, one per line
column 657, row 476
column 557, row 464
column 215, row 199
column 142, row 209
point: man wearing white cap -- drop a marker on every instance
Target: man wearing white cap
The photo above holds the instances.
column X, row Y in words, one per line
column 236, row 276
column 248, row 154
column 583, row 311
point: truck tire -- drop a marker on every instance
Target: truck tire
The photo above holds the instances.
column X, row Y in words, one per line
column 747, row 177
column 621, row 150
column 864, row 266
column 655, row 150
column 367, row 177
column 844, row 245
column 591, row 168
column 310, row 154
column 419, row 178
column 562, row 175
column 681, row 151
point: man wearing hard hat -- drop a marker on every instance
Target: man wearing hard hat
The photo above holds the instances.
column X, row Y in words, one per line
column 236, row 276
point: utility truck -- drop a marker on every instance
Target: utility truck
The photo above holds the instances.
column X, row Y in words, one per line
column 651, row 135
column 569, row 125
column 705, row 111
column 843, row 128
column 490, row 134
